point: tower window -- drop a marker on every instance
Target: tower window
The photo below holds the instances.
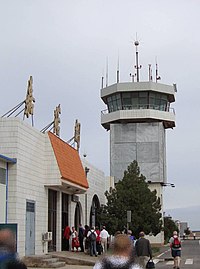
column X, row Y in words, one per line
column 114, row 102
column 138, row 100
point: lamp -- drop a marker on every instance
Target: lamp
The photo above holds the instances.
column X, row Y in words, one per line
column 163, row 184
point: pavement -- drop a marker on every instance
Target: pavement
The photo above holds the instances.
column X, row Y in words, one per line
column 69, row 266
column 80, row 260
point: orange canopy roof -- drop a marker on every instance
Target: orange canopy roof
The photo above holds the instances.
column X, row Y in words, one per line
column 69, row 161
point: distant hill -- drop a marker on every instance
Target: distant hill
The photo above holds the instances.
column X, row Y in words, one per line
column 187, row 214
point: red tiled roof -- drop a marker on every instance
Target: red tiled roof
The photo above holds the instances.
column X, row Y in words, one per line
column 69, row 161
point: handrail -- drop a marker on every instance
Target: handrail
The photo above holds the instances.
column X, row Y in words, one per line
column 137, row 107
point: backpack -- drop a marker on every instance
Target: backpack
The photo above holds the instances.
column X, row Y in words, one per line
column 92, row 236
column 176, row 243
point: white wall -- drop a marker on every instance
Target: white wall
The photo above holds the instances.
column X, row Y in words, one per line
column 97, row 186
column 26, row 178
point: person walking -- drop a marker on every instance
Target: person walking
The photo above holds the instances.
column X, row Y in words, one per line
column 75, row 241
column 121, row 257
column 104, row 236
column 66, row 237
column 98, row 241
column 143, row 250
column 175, row 245
column 92, row 235
column 81, row 236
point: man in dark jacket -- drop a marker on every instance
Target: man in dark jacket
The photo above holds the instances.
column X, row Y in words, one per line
column 143, row 250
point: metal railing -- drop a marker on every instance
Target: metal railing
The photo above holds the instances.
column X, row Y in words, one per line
column 137, row 107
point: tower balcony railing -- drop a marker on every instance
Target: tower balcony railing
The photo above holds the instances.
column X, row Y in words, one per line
column 138, row 106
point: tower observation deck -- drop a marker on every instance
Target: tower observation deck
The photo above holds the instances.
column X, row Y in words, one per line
column 137, row 116
column 138, row 102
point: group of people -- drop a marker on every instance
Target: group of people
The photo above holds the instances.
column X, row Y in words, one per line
column 89, row 240
column 127, row 252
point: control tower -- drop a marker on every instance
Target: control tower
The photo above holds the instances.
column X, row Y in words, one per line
column 137, row 116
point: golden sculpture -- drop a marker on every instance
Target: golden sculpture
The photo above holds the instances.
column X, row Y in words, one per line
column 29, row 106
column 56, row 127
column 77, row 131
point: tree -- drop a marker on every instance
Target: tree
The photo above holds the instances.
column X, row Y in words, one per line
column 187, row 231
column 132, row 193
column 169, row 227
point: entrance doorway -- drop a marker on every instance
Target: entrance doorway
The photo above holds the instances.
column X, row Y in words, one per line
column 52, row 212
column 77, row 217
column 30, row 228
column 65, row 217
column 93, row 212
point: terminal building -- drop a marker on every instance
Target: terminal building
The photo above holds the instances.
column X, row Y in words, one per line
column 44, row 186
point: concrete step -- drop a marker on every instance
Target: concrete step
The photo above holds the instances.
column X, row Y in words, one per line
column 56, row 265
column 43, row 261
column 50, row 260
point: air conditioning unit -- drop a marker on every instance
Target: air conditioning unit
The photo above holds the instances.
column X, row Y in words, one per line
column 47, row 236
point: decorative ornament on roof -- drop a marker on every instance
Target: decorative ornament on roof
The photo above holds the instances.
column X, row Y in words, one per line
column 27, row 103
column 77, row 130
column 29, row 106
column 56, row 122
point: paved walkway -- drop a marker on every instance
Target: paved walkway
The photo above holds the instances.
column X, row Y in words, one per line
column 80, row 260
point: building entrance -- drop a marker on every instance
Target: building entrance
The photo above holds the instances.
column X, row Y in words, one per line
column 30, row 228
column 65, row 216
column 52, row 212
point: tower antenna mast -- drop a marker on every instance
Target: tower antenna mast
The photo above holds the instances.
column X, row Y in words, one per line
column 137, row 66
column 157, row 76
column 118, row 69
column 107, row 72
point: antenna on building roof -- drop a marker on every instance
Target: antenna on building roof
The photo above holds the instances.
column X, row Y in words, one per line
column 102, row 78
column 157, row 76
column 137, row 66
column 132, row 77
column 150, row 73
column 118, row 69
column 107, row 72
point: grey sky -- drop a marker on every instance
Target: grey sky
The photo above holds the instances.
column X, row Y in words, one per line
column 64, row 46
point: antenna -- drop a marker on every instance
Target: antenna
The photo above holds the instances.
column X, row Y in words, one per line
column 107, row 72
column 102, row 78
column 137, row 66
column 132, row 77
column 157, row 76
column 118, row 69
column 150, row 73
